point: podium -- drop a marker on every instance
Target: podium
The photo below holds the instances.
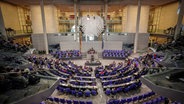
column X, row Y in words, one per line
column 92, row 57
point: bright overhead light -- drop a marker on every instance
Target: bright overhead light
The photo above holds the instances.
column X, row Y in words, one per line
column 88, row 17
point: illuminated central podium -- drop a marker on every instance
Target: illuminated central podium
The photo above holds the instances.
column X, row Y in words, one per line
column 92, row 57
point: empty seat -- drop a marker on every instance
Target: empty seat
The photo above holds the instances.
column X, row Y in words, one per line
column 87, row 93
column 94, row 92
column 68, row 101
column 62, row 101
column 89, row 102
column 75, row 102
column 108, row 92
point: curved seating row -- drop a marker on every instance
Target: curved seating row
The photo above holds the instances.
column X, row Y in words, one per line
column 126, row 72
column 157, row 100
column 112, row 70
column 83, row 83
column 78, row 86
column 115, row 79
column 122, row 88
column 65, row 69
column 77, row 92
column 65, row 101
column 115, row 82
column 83, row 78
column 132, row 99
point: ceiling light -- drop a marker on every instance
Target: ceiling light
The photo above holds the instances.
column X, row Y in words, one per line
column 88, row 17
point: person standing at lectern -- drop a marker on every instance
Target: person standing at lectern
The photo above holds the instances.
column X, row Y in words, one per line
column 92, row 58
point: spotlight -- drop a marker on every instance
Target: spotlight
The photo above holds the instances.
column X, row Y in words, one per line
column 88, row 17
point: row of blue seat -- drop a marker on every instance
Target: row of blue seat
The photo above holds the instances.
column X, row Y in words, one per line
column 82, row 78
column 77, row 92
column 157, row 100
column 125, row 73
column 104, row 72
column 65, row 69
column 120, row 54
column 124, row 89
column 131, row 99
column 67, row 54
column 66, row 101
column 117, row 81
column 83, row 83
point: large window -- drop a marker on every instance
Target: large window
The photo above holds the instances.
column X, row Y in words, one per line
column 24, row 20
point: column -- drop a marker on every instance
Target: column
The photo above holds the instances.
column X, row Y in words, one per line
column 44, row 26
column 106, row 11
column 137, row 26
column 76, row 24
column 50, row 17
column 36, row 19
column 2, row 26
column 131, row 18
column 179, row 22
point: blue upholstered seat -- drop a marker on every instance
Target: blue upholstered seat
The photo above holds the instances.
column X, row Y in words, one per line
column 94, row 92
column 62, row 101
column 68, row 101
column 56, row 99
column 75, row 102
column 108, row 92
column 87, row 93
column 123, row 101
column 80, row 94
column 82, row 102
column 89, row 102
column 129, row 100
